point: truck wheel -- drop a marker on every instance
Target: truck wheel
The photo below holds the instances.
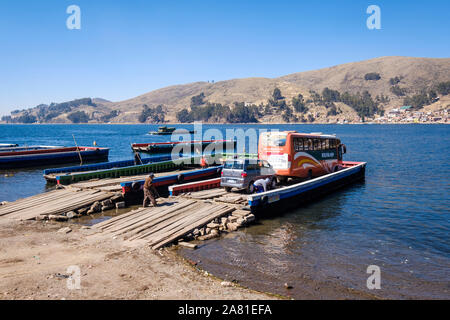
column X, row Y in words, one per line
column 250, row 188
column 228, row 189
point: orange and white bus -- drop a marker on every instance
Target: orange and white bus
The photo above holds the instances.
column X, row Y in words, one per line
column 301, row 155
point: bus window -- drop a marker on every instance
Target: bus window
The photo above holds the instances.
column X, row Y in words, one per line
column 308, row 145
column 332, row 143
column 327, row 144
column 317, row 145
column 298, row 144
column 324, row 147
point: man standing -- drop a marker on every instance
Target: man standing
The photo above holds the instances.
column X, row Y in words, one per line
column 137, row 158
column 150, row 192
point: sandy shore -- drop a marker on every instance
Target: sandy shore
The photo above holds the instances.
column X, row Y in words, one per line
column 34, row 262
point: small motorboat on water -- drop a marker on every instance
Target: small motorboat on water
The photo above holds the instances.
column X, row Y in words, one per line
column 165, row 131
column 34, row 156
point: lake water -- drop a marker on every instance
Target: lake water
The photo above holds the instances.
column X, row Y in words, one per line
column 397, row 219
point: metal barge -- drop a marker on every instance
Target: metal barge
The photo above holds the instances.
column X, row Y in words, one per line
column 287, row 197
column 192, row 146
column 291, row 196
column 33, row 156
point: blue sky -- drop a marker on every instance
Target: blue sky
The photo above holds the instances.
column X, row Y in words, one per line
column 127, row 48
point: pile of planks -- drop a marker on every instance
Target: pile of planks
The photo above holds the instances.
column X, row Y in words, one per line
column 219, row 195
column 55, row 202
column 232, row 198
column 206, row 194
column 162, row 225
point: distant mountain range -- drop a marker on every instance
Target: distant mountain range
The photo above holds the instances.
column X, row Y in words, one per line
column 388, row 81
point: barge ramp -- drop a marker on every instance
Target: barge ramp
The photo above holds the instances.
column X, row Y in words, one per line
column 162, row 225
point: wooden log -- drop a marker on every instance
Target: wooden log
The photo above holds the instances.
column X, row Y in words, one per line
column 188, row 245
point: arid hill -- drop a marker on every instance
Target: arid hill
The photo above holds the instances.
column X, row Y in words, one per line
column 391, row 78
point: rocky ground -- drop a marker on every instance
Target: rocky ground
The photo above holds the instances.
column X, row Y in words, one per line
column 36, row 262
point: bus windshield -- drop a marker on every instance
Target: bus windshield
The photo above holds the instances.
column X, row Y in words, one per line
column 274, row 139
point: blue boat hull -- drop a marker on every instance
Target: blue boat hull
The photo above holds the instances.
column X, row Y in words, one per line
column 38, row 160
column 294, row 196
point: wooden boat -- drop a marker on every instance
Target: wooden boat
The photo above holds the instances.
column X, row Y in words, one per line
column 7, row 145
column 165, row 131
column 193, row 146
column 33, row 156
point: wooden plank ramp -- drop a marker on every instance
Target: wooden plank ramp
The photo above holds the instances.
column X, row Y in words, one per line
column 51, row 203
column 162, row 225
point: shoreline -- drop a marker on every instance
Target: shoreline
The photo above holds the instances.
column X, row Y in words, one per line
column 35, row 258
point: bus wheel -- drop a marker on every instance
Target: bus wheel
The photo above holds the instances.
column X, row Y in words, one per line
column 250, row 188
column 336, row 169
column 228, row 189
column 310, row 175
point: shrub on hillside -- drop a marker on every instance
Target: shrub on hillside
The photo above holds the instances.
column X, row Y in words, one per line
column 78, row 117
column 372, row 76
column 443, row 88
column 400, row 92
